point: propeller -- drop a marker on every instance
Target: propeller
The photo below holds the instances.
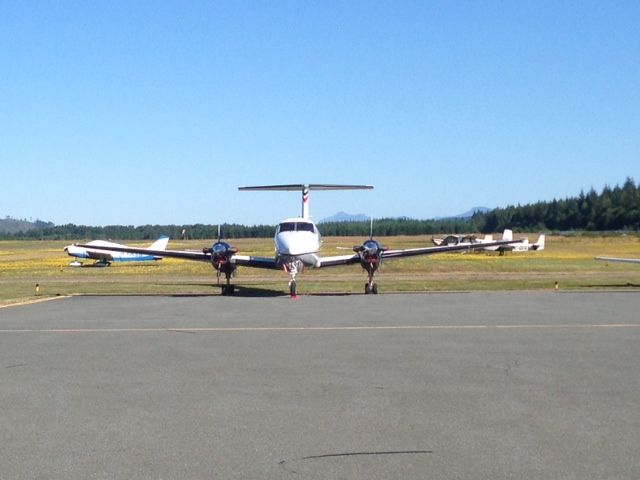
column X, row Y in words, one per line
column 221, row 253
column 370, row 248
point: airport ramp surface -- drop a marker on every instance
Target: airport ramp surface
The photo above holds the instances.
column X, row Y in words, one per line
column 461, row 385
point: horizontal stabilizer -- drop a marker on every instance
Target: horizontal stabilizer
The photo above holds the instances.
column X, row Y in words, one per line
column 305, row 188
column 310, row 186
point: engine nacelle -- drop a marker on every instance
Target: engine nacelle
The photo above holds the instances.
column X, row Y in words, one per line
column 370, row 253
column 221, row 253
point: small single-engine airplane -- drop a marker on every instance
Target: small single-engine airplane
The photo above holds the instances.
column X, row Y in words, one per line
column 457, row 240
column 297, row 245
column 523, row 246
column 103, row 252
column 621, row 260
column 473, row 240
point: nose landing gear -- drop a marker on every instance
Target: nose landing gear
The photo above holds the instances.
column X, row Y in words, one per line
column 371, row 267
column 292, row 268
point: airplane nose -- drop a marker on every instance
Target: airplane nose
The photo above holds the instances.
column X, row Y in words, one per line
column 284, row 247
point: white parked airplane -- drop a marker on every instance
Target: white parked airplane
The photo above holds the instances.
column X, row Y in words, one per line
column 297, row 245
column 459, row 239
column 523, row 246
column 104, row 252
column 478, row 243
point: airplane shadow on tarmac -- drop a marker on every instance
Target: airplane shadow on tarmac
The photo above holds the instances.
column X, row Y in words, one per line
column 240, row 291
column 252, row 292
column 615, row 285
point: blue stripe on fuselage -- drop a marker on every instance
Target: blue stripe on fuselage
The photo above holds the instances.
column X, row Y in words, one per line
column 135, row 258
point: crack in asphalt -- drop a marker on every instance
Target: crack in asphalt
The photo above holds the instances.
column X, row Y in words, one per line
column 283, row 463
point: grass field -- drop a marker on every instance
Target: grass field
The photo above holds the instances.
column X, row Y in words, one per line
column 567, row 260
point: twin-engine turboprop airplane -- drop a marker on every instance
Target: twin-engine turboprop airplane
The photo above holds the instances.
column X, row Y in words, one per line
column 103, row 252
column 297, row 245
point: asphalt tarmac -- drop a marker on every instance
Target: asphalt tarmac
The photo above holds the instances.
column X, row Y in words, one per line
column 535, row 385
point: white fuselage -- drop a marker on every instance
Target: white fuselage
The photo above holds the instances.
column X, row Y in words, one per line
column 297, row 239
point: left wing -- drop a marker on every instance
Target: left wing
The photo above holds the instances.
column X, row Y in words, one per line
column 411, row 252
column 621, row 260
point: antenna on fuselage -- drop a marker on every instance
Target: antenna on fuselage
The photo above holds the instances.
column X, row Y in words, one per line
column 305, row 188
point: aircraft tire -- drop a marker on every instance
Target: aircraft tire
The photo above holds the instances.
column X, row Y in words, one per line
column 374, row 289
column 293, row 289
column 367, row 290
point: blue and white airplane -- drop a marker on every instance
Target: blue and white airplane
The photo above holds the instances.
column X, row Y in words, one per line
column 102, row 251
column 297, row 245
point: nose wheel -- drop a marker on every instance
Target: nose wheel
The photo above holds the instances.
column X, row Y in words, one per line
column 371, row 288
column 293, row 288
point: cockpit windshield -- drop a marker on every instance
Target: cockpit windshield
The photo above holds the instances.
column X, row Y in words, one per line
column 295, row 227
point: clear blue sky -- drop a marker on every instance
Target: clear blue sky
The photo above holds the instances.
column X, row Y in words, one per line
column 155, row 112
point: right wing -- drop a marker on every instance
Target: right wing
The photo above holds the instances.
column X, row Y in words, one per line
column 621, row 260
column 411, row 252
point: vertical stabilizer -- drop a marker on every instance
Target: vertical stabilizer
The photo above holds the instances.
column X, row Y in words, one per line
column 160, row 244
column 305, row 201
column 507, row 235
column 539, row 245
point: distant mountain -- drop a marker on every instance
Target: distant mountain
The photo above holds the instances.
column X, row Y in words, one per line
column 13, row 225
column 360, row 217
column 468, row 213
column 346, row 217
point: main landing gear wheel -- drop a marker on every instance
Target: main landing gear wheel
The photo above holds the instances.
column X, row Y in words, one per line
column 228, row 289
column 371, row 288
column 293, row 289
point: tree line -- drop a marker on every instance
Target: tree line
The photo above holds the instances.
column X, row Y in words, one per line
column 382, row 227
column 616, row 208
